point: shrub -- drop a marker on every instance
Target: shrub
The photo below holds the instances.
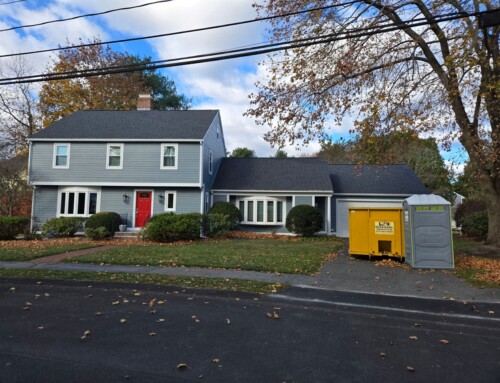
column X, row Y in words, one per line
column 63, row 226
column 466, row 208
column 217, row 225
column 304, row 220
column 97, row 234
column 10, row 227
column 109, row 220
column 476, row 225
column 228, row 209
column 171, row 227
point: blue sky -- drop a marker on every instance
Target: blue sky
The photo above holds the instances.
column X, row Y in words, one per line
column 222, row 85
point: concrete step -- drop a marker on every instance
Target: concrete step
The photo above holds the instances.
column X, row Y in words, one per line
column 126, row 234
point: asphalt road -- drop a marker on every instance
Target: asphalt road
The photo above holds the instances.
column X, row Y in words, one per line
column 159, row 334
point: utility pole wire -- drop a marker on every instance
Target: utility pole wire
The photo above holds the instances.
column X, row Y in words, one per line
column 181, row 32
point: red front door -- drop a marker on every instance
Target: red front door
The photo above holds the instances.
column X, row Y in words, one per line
column 142, row 207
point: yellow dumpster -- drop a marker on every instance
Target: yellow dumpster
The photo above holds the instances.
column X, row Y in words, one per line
column 376, row 232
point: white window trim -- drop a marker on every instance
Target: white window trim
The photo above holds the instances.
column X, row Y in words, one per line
column 57, row 144
column 255, row 199
column 77, row 190
column 122, row 152
column 210, row 162
column 176, row 147
column 167, row 192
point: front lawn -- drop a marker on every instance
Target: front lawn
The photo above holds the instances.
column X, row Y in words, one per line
column 20, row 251
column 293, row 256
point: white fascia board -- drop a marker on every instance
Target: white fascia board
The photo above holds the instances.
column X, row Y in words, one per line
column 131, row 184
column 114, row 140
column 371, row 195
column 287, row 192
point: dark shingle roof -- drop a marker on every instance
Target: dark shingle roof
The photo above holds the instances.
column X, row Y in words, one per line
column 131, row 124
column 273, row 174
column 375, row 179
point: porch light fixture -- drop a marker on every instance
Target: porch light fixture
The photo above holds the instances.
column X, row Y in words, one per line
column 125, row 197
column 161, row 198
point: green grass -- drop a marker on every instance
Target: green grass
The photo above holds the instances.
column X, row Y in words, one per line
column 470, row 276
column 461, row 243
column 20, row 254
column 304, row 256
column 165, row 280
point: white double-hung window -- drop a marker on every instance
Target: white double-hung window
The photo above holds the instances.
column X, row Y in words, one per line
column 78, row 201
column 169, row 156
column 61, row 156
column 261, row 210
column 114, row 156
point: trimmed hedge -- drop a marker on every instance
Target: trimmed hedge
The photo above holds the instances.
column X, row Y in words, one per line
column 304, row 220
column 217, row 225
column 109, row 220
column 171, row 227
column 97, row 234
column 476, row 225
column 62, row 226
column 10, row 227
column 466, row 208
column 228, row 209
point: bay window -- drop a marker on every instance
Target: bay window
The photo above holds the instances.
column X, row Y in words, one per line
column 77, row 201
column 261, row 210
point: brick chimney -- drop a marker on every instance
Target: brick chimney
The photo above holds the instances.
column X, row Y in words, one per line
column 145, row 102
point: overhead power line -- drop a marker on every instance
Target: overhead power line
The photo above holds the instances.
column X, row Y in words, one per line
column 182, row 32
column 237, row 53
column 12, row 2
column 86, row 15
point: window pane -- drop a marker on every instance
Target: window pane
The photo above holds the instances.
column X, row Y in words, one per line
column 242, row 209
column 169, row 151
column 92, row 203
column 250, row 211
column 168, row 161
column 114, row 161
column 71, row 203
column 63, row 203
column 260, row 211
column 279, row 211
column 81, row 203
column 170, row 200
column 115, row 151
column 61, row 160
column 62, row 150
column 270, row 211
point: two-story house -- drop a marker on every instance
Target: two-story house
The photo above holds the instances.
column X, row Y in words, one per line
column 135, row 163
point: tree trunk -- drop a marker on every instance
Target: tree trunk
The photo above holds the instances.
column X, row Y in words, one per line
column 492, row 200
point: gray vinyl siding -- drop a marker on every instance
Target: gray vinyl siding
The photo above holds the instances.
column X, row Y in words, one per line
column 112, row 200
column 218, row 148
column 141, row 164
column 303, row 200
column 187, row 201
column 45, row 204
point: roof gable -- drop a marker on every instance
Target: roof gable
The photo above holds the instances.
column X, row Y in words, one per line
column 130, row 124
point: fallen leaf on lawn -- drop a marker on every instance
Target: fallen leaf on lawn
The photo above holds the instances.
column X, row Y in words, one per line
column 125, row 301
column 160, row 302
column 181, row 366
column 152, row 302
column 123, row 320
column 491, row 312
column 137, row 294
column 12, row 289
column 444, row 341
column 273, row 315
column 86, row 334
column 277, row 308
column 152, row 334
column 382, row 354
column 115, row 303
column 410, row 368
column 413, row 337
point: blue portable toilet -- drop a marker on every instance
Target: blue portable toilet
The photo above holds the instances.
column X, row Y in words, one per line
column 427, row 232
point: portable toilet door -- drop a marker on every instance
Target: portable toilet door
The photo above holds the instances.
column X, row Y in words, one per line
column 427, row 230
